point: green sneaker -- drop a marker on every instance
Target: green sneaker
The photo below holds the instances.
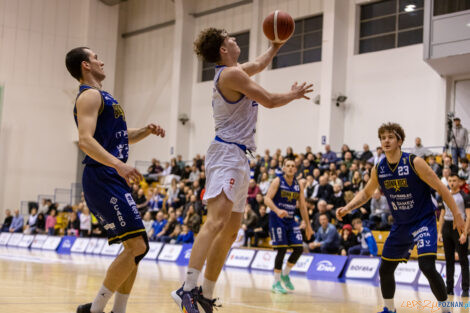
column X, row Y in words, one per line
column 277, row 288
column 287, row 282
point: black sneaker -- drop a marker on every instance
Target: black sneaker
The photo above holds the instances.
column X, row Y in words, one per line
column 464, row 294
column 450, row 292
column 186, row 300
column 85, row 308
column 207, row 305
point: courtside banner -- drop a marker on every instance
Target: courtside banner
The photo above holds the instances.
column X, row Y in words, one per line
column 423, row 281
column 80, row 245
column 327, row 266
column 51, row 243
column 4, row 237
column 154, row 250
column 66, row 244
column 99, row 246
column 39, row 241
column 362, row 267
column 111, row 250
column 264, row 260
column 170, row 252
column 15, row 239
column 303, row 264
column 185, row 254
column 91, row 245
column 240, row 258
column 457, row 272
column 26, row 241
column 406, row 273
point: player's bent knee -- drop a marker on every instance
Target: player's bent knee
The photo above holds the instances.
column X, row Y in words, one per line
column 215, row 226
column 427, row 264
column 387, row 268
column 140, row 248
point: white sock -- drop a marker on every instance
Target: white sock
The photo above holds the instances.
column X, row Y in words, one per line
column 389, row 304
column 287, row 269
column 207, row 289
column 277, row 277
column 190, row 282
column 101, row 300
column 120, row 303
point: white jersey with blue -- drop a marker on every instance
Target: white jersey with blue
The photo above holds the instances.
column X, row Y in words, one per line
column 235, row 121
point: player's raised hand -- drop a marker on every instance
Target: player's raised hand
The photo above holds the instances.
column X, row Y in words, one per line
column 459, row 224
column 156, row 130
column 130, row 174
column 301, row 90
column 282, row 213
column 340, row 212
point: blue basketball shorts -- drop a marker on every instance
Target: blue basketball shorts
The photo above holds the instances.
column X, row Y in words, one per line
column 402, row 239
column 284, row 232
column 109, row 198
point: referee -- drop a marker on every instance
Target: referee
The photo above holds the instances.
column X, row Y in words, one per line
column 451, row 239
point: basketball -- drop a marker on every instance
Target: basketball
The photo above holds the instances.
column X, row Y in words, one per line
column 278, row 26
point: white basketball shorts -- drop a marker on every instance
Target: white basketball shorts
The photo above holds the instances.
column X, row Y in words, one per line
column 227, row 169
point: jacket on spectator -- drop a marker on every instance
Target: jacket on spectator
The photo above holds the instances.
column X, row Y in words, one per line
column 367, row 240
column 328, row 237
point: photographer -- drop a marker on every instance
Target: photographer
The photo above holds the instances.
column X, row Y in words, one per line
column 458, row 142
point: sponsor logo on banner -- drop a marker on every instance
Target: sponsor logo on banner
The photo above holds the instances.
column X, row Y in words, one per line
column 183, row 259
column 80, row 245
column 457, row 272
column 423, row 281
column 66, row 244
column 26, row 241
column 99, row 246
column 406, row 272
column 4, row 237
column 264, row 260
column 154, row 250
column 15, row 239
column 240, row 257
column 326, row 265
column 39, row 241
column 364, row 268
column 170, row 252
column 111, row 250
column 52, row 242
column 303, row 264
column 91, row 245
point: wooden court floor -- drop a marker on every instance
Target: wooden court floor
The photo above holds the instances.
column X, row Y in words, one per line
column 44, row 282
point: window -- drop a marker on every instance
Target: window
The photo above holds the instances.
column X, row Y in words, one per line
column 390, row 24
column 305, row 44
column 450, row 6
column 243, row 41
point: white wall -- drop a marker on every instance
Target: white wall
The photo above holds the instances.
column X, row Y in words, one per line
column 37, row 148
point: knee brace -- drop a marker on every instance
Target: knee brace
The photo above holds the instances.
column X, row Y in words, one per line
column 296, row 253
column 147, row 248
column 281, row 252
column 387, row 278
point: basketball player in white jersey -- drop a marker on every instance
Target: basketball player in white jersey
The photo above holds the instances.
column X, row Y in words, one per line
column 235, row 105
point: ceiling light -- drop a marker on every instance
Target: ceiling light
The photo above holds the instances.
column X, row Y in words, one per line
column 410, row 8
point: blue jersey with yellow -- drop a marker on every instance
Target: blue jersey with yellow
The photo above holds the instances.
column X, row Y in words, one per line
column 408, row 196
column 410, row 202
column 111, row 127
column 285, row 232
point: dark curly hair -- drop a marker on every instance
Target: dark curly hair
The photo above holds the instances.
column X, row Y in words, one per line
column 392, row 128
column 208, row 44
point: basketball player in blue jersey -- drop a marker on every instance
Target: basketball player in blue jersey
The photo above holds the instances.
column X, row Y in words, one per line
column 235, row 109
column 282, row 197
column 105, row 138
column 406, row 180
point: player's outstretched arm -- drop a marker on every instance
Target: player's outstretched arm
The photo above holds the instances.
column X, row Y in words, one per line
column 137, row 134
column 236, row 79
column 303, row 211
column 88, row 105
column 361, row 197
column 256, row 66
column 268, row 199
column 429, row 177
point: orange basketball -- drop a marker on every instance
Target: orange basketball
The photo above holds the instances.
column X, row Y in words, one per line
column 278, row 26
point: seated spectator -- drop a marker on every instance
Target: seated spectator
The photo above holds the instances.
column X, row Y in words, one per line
column 176, row 167
column 366, row 154
column 322, row 209
column 158, row 225
column 337, row 200
column 310, row 185
column 323, row 190
column 419, row 150
column 17, row 223
column 253, row 190
column 50, row 222
column 31, row 223
column 192, row 220
column 7, row 221
column 328, row 157
column 73, row 226
column 261, row 229
column 147, row 221
column 179, row 215
column 348, row 239
column 40, row 224
column 157, row 200
column 464, row 171
column 378, row 157
column 168, row 232
column 264, row 183
column 194, row 175
column 326, row 238
column 435, row 166
column 334, row 180
column 173, row 192
column 249, row 221
column 447, row 163
column 464, row 186
column 305, row 169
column 193, row 201
column 257, row 203
column 240, row 240
column 85, row 223
column 172, row 237
column 344, row 173
column 154, row 171
column 186, row 235
column 445, row 175
column 348, row 159
column 379, row 210
column 367, row 244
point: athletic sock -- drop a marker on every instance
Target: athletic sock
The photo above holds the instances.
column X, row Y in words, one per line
column 208, row 288
column 390, row 304
column 446, row 310
column 190, row 282
column 120, row 303
column 277, row 277
column 287, row 269
column 101, row 300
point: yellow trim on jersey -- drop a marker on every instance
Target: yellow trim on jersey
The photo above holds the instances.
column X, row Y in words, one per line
column 393, row 170
column 127, row 234
column 399, row 260
column 424, row 254
column 412, row 165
